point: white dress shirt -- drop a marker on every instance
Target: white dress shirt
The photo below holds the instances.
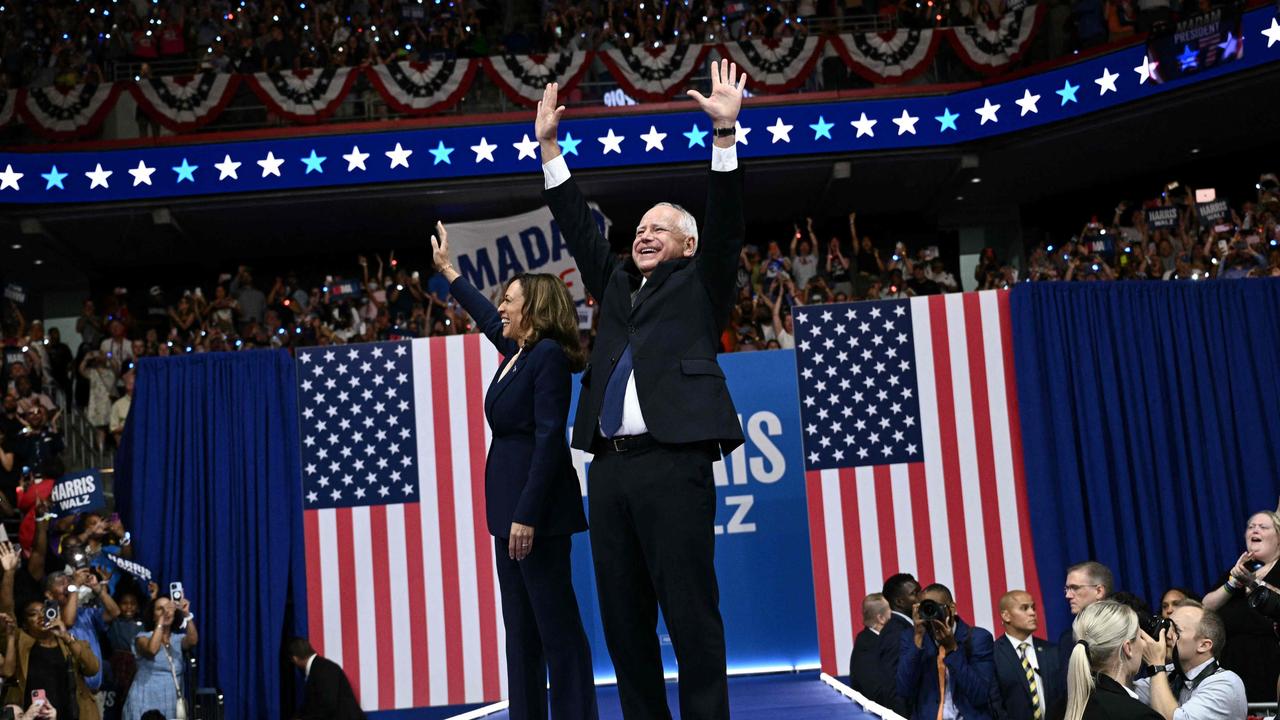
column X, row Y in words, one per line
column 1218, row 697
column 554, row 173
column 1034, row 661
column 307, row 673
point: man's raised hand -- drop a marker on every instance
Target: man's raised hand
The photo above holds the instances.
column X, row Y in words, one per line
column 725, row 100
column 546, row 125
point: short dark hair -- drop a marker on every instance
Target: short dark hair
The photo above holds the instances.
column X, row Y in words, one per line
column 1132, row 601
column 895, row 588
column 153, row 715
column 939, row 587
column 1098, row 573
column 299, row 647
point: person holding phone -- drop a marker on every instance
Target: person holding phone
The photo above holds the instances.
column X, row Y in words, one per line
column 532, row 493
column 48, row 663
column 168, row 630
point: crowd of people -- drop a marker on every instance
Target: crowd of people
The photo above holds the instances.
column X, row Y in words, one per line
column 1197, row 656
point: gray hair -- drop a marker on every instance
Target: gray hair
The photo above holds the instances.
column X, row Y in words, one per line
column 688, row 225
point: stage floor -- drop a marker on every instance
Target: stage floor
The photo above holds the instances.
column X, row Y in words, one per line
column 795, row 696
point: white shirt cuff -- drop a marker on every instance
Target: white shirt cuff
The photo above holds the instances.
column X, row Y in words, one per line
column 555, row 172
column 722, row 159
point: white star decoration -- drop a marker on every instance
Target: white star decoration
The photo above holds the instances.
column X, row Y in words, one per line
column 987, row 112
column 653, row 139
column 9, row 178
column 355, row 158
column 780, row 131
column 611, row 143
column 270, row 165
column 399, row 157
column 98, row 177
column 1272, row 33
column 906, row 123
column 1147, row 70
column 484, row 151
column 526, row 147
column 1107, row 83
column 864, row 126
column 227, row 168
column 1028, row 103
column 742, row 132
column 141, row 174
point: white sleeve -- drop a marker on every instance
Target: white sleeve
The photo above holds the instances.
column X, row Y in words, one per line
column 555, row 171
column 722, row 159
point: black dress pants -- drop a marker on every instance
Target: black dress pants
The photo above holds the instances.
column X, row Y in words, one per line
column 653, row 545
column 544, row 633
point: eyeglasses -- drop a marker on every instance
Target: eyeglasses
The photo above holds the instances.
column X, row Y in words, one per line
column 1073, row 589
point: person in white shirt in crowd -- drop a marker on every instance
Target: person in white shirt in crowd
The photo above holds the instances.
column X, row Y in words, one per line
column 804, row 255
column 1188, row 683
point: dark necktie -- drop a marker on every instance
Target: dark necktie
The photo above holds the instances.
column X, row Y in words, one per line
column 1031, row 680
column 615, row 394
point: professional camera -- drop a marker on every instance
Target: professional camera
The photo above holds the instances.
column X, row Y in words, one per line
column 933, row 610
column 1266, row 601
column 1153, row 624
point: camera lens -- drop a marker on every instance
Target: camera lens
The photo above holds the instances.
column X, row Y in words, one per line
column 932, row 610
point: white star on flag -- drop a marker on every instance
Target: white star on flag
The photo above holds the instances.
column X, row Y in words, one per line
column 987, row 112
column 98, row 177
column 906, row 123
column 742, row 132
column 864, row 126
column 9, row 178
column 484, row 151
column 780, row 131
column 1147, row 70
column 399, row 156
column 526, row 147
column 141, row 174
column 270, row 164
column 1028, row 103
column 611, row 143
column 1272, row 33
column 653, row 139
column 355, row 158
column 227, row 169
column 1107, row 82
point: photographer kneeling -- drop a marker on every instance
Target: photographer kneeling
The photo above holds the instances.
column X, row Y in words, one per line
column 1196, row 688
column 945, row 664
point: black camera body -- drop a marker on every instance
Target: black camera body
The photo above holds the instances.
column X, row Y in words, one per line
column 1153, row 624
column 931, row 610
column 1266, row 601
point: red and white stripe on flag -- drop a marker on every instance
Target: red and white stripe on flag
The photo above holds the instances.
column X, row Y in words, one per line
column 959, row 517
column 405, row 596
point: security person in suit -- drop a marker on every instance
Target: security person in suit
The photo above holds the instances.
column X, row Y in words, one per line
column 902, row 593
column 656, row 413
column 864, row 661
column 1026, row 666
column 328, row 694
column 533, row 500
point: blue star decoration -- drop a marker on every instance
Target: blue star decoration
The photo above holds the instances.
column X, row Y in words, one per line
column 441, row 152
column 1188, row 57
column 822, row 129
column 1068, row 92
column 947, row 119
column 313, row 162
column 54, row 178
column 696, row 137
column 568, row 145
column 1230, row 46
column 186, row 171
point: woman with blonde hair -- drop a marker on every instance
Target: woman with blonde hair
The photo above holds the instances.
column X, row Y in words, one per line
column 531, row 488
column 1107, row 654
column 1251, row 650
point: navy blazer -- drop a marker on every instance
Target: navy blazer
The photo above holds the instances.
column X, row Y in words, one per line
column 890, row 649
column 969, row 668
column 528, row 476
column 1013, row 695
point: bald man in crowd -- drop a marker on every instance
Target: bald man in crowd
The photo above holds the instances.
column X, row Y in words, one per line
column 1026, row 666
column 865, row 674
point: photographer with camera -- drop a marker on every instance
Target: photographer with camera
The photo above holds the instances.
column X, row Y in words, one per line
column 946, row 668
column 169, row 629
column 50, row 665
column 1251, row 648
column 1193, row 686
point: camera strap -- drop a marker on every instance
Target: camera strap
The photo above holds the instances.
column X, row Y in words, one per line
column 1210, row 669
column 181, row 707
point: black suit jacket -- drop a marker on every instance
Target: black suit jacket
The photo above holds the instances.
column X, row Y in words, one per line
column 864, row 667
column 1110, row 702
column 1014, row 701
column 529, row 476
column 329, row 695
column 890, row 651
column 673, row 325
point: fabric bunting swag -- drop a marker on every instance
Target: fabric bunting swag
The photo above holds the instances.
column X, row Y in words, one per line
column 185, row 103
column 8, row 103
column 776, row 65
column 422, row 88
column 524, row 77
column 67, row 115
column 893, row 57
column 652, row 75
column 990, row 50
column 303, row 96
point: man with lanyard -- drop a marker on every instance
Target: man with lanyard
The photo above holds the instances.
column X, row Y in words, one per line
column 1193, row 686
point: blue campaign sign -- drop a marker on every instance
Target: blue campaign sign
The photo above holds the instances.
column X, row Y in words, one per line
column 79, row 492
column 762, row 543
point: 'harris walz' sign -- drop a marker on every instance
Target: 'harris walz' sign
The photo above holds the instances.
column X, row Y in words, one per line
column 1162, row 218
column 79, row 492
column 1212, row 213
column 1197, row 44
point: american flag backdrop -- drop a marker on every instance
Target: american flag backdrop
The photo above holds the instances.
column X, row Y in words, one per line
column 401, row 585
column 913, row 459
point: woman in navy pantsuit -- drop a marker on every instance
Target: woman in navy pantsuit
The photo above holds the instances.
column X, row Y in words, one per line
column 531, row 488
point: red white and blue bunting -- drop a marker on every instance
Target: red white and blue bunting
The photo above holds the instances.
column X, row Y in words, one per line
column 304, row 96
column 8, row 103
column 524, row 77
column 67, row 114
column 991, row 50
column 654, row 75
column 776, row 65
column 185, row 103
column 893, row 57
column 422, row 88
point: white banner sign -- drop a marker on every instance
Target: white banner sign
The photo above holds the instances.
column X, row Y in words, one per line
column 490, row 252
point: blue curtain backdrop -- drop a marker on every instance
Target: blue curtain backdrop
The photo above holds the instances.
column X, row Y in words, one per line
column 1151, row 426
column 207, row 479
